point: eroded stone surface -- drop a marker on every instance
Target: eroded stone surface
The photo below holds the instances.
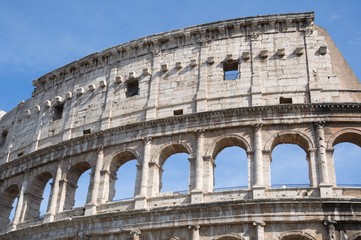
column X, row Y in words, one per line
column 254, row 83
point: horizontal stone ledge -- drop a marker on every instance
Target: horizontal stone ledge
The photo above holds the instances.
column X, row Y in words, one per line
column 193, row 117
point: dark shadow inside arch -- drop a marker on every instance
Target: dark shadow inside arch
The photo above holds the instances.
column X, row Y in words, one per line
column 8, row 202
column 231, row 169
column 77, row 185
column 289, row 166
column 296, row 237
column 349, row 138
column 123, row 176
column 35, row 195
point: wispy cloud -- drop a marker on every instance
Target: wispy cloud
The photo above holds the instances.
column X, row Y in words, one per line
column 335, row 17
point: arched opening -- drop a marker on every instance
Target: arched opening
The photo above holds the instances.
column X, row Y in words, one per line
column 35, row 196
column 289, row 166
column 13, row 210
column 347, row 159
column 123, row 176
column 296, row 237
column 8, row 202
column 231, row 164
column 230, row 238
column 81, row 193
column 231, row 169
column 46, row 197
column 77, row 185
column 175, row 176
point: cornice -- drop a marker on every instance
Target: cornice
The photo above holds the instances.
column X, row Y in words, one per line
column 320, row 110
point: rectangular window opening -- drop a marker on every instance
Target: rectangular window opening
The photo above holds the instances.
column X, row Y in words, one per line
column 86, row 131
column 132, row 88
column 284, row 100
column 230, row 70
column 20, row 154
column 4, row 134
column 178, row 112
column 58, row 111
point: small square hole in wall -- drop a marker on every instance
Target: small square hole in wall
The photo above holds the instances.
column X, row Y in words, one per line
column 86, row 131
column 132, row 88
column 230, row 70
column 20, row 154
column 4, row 134
column 284, row 100
column 58, row 112
column 178, row 112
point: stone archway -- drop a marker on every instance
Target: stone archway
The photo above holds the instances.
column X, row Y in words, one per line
column 297, row 235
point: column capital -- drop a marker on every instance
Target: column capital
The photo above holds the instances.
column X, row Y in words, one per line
column 329, row 221
column 135, row 232
column 259, row 223
column 200, row 132
column 100, row 148
column 147, row 140
column 194, row 227
column 257, row 126
column 319, row 124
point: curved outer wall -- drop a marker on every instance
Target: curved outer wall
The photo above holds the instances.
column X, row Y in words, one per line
column 170, row 93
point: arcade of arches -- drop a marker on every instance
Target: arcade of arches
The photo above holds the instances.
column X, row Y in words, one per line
column 201, row 154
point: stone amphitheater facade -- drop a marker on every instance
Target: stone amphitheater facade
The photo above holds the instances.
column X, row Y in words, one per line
column 251, row 82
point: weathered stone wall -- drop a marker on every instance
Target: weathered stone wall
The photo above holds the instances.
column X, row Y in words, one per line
column 165, row 94
column 183, row 70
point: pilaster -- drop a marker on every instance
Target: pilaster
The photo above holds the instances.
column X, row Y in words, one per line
column 258, row 187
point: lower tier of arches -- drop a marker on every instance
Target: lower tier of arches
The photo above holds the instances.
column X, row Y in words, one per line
column 311, row 219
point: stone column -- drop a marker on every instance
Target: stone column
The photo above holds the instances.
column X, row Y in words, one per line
column 197, row 192
column 325, row 186
column 54, row 195
column 141, row 199
column 195, row 231
column 20, row 205
column 258, row 155
column 96, row 181
column 135, row 234
column 331, row 166
column 260, row 230
column 62, row 190
column 106, row 176
column 155, row 171
column 208, row 173
column 258, row 187
column 251, row 172
column 313, row 166
column 330, row 223
column 320, row 134
column 91, row 206
column 199, row 160
column 145, row 166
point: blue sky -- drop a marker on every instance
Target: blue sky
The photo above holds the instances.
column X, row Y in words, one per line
column 39, row 36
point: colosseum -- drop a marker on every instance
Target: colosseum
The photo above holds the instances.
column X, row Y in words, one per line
column 253, row 82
